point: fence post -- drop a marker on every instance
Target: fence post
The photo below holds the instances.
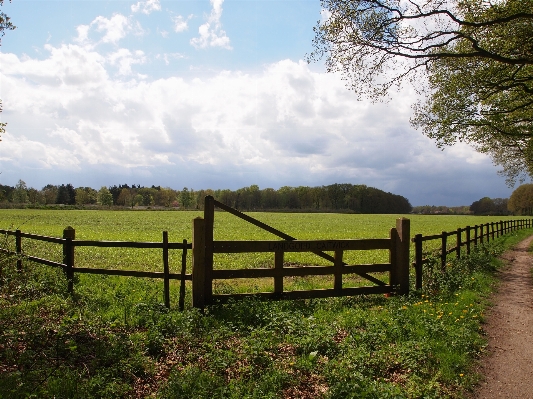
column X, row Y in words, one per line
column 18, row 249
column 209, row 217
column 443, row 251
column 481, row 233
column 69, row 234
column 468, row 240
column 393, row 259
column 166, row 272
column 181, row 303
column 418, row 261
column 403, row 229
column 198, row 263
column 458, row 249
column 475, row 235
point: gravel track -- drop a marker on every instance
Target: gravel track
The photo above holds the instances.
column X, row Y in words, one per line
column 508, row 366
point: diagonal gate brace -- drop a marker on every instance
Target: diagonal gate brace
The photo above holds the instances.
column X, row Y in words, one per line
column 281, row 234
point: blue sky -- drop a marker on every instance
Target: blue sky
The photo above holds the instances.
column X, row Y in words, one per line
column 206, row 94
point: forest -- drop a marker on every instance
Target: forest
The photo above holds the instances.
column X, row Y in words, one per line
column 331, row 198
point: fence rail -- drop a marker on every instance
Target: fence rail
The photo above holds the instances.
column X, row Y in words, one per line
column 69, row 243
column 482, row 233
column 204, row 247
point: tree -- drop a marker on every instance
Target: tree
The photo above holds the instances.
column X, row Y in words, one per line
column 185, row 198
column 476, row 57
column 521, row 200
column 86, row 195
column 66, row 194
column 105, row 197
column 49, row 193
column 126, row 197
column 20, row 194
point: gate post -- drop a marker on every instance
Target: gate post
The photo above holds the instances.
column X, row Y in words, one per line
column 209, row 218
column 403, row 229
column 198, row 262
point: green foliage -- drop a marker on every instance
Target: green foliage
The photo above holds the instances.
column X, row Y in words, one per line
column 521, row 201
column 104, row 197
column 471, row 61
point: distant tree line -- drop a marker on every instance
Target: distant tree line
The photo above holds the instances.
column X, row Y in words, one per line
column 485, row 206
column 491, row 206
column 441, row 210
column 334, row 197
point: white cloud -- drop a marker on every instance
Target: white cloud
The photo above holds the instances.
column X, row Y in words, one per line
column 124, row 59
column 211, row 32
column 146, row 7
column 113, row 30
column 281, row 125
column 166, row 57
column 181, row 24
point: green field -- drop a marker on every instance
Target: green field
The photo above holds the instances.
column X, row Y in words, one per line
column 113, row 339
column 148, row 226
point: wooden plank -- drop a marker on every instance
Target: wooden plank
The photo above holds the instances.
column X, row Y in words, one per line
column 44, row 261
column 337, row 270
column 301, row 245
column 181, row 302
column 326, row 293
column 118, row 244
column 179, row 245
column 403, row 227
column 18, row 249
column 198, row 263
column 209, row 220
column 42, row 238
column 166, row 271
column 299, row 271
column 131, row 273
column 433, row 237
column 117, row 272
column 418, row 261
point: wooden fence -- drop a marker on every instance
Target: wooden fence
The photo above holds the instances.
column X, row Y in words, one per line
column 472, row 236
column 69, row 243
column 204, row 247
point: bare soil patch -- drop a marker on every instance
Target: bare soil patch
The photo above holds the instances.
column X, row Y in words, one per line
column 508, row 366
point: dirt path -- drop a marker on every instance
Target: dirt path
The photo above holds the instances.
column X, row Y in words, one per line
column 508, row 367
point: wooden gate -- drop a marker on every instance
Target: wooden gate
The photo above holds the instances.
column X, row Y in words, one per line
column 204, row 248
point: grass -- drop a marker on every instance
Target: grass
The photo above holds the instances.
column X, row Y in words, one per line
column 113, row 338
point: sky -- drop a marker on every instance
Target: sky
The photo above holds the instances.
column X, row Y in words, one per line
column 206, row 94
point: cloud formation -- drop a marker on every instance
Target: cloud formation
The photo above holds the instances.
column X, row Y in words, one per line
column 146, row 7
column 282, row 125
column 112, row 29
column 211, row 32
